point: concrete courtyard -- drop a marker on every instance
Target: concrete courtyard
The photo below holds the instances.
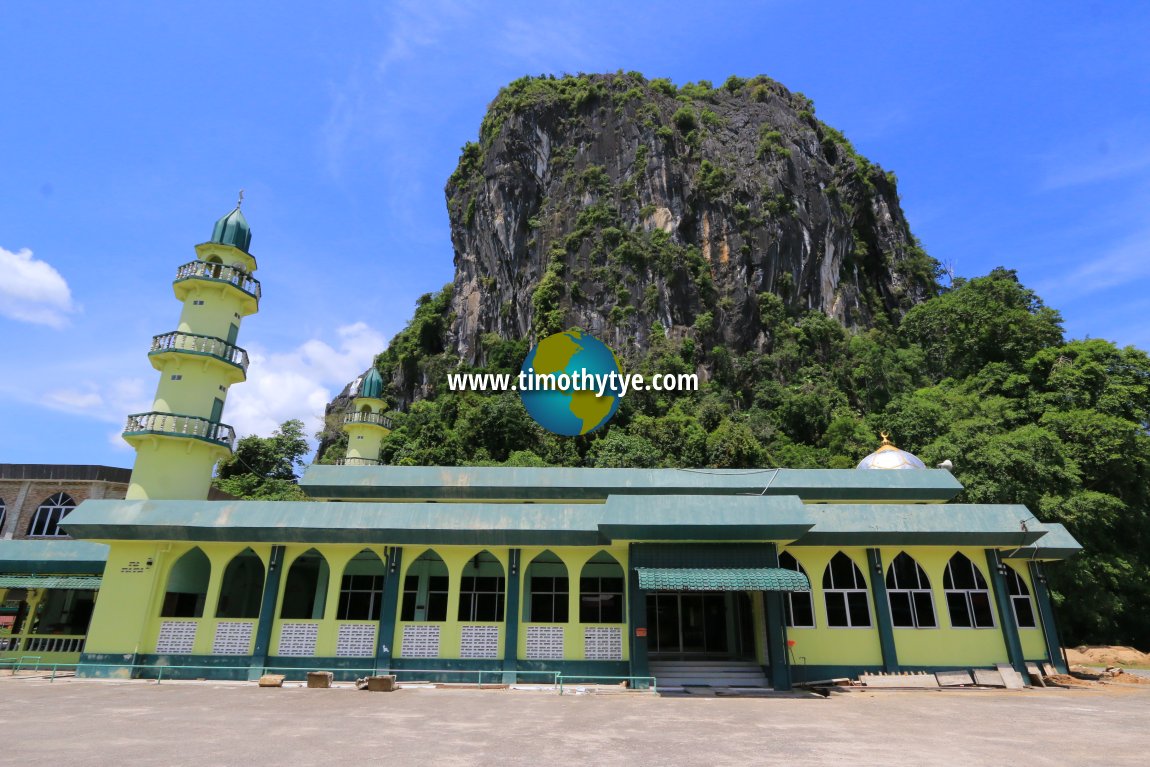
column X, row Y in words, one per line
column 83, row 722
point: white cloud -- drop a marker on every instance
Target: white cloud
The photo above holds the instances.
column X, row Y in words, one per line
column 110, row 400
column 299, row 383
column 33, row 291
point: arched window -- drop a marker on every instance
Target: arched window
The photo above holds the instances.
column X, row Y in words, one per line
column 1020, row 599
column 548, row 590
column 46, row 521
column 967, row 595
column 361, row 590
column 845, row 594
column 798, row 607
column 242, row 590
column 601, row 590
column 425, row 589
column 305, row 593
column 187, row 586
column 481, row 590
column 908, row 591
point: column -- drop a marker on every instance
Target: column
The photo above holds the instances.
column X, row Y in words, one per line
column 636, row 619
column 511, row 619
column 777, row 650
column 1005, row 614
column 389, row 610
column 267, row 613
column 882, row 611
column 1046, row 615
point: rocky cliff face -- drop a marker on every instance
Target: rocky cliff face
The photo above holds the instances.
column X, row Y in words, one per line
column 629, row 207
column 619, row 205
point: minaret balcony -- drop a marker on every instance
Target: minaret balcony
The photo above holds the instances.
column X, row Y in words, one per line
column 175, row 425
column 218, row 273
column 209, row 346
column 372, row 419
column 354, row 461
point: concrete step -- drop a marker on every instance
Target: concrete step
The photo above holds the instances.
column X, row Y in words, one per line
column 709, row 673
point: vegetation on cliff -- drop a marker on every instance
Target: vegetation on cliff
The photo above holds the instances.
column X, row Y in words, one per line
column 728, row 232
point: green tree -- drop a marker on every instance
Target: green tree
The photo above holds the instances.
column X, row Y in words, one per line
column 264, row 468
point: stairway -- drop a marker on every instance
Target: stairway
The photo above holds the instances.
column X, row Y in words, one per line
column 709, row 673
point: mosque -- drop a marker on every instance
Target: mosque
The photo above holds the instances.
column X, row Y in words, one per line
column 757, row 577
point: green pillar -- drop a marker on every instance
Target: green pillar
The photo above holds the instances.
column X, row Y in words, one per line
column 511, row 619
column 636, row 621
column 777, row 649
column 267, row 613
column 1046, row 615
column 1005, row 614
column 389, row 609
column 882, row 611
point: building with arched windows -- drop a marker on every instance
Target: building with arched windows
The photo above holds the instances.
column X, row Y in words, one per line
column 754, row 577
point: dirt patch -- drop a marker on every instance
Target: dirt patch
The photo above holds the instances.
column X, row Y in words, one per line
column 1107, row 655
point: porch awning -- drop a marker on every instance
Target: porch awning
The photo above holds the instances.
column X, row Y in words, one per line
column 48, row 582
column 721, row 579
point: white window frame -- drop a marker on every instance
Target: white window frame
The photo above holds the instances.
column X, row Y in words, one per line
column 1014, row 580
column 48, row 516
column 920, row 576
column 788, row 596
column 967, row 594
column 845, row 593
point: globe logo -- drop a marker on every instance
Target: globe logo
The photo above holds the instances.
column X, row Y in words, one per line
column 586, row 365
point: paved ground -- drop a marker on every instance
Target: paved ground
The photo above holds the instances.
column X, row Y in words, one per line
column 82, row 722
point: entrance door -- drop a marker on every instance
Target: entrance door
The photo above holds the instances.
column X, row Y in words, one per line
column 708, row 624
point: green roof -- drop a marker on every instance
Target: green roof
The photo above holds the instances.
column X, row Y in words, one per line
column 956, row 524
column 48, row 582
column 495, row 483
column 1058, row 543
column 233, row 230
column 697, row 518
column 41, row 556
column 721, row 579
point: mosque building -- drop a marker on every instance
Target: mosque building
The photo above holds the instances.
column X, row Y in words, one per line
column 755, row 577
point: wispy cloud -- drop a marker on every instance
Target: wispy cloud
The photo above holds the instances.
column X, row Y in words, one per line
column 108, row 400
column 33, row 291
column 1121, row 264
column 1118, row 153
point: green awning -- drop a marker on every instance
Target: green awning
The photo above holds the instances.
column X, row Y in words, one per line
column 721, row 579
column 48, row 582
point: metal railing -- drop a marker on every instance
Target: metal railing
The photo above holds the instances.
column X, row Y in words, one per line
column 205, row 270
column 175, row 425
column 358, row 462
column 198, row 344
column 376, row 419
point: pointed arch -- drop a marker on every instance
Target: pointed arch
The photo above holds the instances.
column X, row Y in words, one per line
column 548, row 590
column 305, row 591
column 361, row 589
column 967, row 595
column 187, row 589
column 242, row 589
column 46, row 520
column 798, row 606
column 601, row 590
column 425, row 587
column 1020, row 599
column 482, row 589
column 909, row 594
column 845, row 593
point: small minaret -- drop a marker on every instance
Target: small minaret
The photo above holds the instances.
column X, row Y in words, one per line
column 179, row 441
column 365, row 423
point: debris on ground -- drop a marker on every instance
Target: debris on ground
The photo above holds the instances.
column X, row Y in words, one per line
column 1106, row 655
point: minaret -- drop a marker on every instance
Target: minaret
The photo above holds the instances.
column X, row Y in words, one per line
column 365, row 423
column 179, row 441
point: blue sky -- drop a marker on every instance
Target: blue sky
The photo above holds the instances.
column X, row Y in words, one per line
column 1018, row 133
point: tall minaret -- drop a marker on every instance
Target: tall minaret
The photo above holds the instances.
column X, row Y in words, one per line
column 365, row 423
column 179, row 441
